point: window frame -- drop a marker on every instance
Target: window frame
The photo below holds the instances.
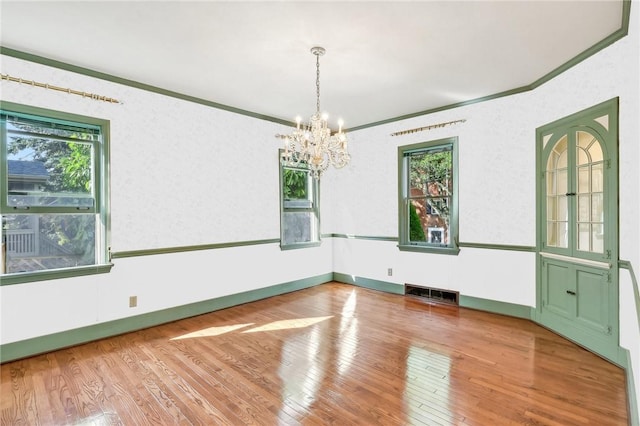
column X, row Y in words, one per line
column 100, row 177
column 314, row 186
column 404, row 152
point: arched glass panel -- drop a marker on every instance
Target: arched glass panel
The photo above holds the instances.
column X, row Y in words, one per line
column 590, row 208
column 557, row 183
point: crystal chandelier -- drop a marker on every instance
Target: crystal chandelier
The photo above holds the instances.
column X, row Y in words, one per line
column 312, row 145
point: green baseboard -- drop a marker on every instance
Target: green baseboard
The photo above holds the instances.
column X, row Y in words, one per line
column 37, row 345
column 372, row 284
column 503, row 308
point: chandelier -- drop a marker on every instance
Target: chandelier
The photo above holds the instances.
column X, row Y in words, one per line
column 312, row 145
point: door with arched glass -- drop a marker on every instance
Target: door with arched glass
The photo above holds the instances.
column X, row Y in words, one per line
column 577, row 228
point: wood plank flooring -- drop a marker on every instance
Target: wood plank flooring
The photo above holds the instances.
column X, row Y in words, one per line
column 333, row 354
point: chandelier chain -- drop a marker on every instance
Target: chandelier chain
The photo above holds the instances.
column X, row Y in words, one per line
column 318, row 83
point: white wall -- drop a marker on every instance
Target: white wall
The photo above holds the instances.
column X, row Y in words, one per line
column 176, row 180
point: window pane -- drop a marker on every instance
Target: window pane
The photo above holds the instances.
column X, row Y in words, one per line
column 298, row 227
column 597, row 208
column 597, row 181
column 562, row 183
column 597, row 231
column 552, row 208
column 583, row 236
column 48, row 172
column 583, row 208
column 417, row 221
column 562, row 234
column 583, row 179
column 429, row 220
column 295, row 185
column 595, row 151
column 551, row 183
column 552, row 234
column 563, row 213
column 48, row 241
column 430, row 173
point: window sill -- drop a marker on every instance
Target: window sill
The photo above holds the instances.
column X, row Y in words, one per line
column 54, row 274
column 300, row 245
column 429, row 249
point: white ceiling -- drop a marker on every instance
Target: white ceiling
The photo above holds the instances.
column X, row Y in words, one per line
column 384, row 59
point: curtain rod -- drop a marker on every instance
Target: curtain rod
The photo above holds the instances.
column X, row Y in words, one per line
column 60, row 89
column 431, row 126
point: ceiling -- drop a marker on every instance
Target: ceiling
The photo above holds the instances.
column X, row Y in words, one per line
column 384, row 59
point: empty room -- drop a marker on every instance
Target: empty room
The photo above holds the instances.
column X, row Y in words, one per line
column 320, row 212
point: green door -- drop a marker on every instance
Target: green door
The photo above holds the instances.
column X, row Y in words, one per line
column 577, row 228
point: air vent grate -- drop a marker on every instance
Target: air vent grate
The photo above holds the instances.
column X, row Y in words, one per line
column 432, row 294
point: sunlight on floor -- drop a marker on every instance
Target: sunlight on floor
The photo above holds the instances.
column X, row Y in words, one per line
column 288, row 324
column 213, row 331
column 272, row 326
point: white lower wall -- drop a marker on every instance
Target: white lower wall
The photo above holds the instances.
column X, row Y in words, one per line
column 504, row 276
column 159, row 281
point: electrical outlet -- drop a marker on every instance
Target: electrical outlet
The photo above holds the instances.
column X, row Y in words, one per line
column 390, row 271
column 133, row 301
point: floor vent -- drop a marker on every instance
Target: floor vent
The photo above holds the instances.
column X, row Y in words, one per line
column 432, row 294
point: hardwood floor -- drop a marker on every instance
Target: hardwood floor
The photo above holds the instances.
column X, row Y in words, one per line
column 331, row 354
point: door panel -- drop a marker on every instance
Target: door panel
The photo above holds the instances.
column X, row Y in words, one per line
column 592, row 296
column 557, row 277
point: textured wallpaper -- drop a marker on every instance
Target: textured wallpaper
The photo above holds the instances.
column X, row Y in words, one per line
column 181, row 173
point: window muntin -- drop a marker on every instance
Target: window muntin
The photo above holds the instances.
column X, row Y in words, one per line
column 299, row 216
column 53, row 192
column 428, row 196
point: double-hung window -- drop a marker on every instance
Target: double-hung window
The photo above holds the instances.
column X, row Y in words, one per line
column 428, row 196
column 53, row 203
column 299, row 210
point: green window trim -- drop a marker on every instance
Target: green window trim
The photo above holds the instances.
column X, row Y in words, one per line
column 299, row 206
column 413, row 235
column 33, row 203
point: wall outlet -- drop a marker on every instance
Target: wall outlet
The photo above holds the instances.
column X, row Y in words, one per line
column 390, row 271
column 133, row 301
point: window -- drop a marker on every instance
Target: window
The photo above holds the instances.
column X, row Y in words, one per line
column 54, row 202
column 428, row 196
column 299, row 211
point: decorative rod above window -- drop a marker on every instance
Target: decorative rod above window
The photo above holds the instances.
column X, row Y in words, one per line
column 429, row 127
column 60, row 89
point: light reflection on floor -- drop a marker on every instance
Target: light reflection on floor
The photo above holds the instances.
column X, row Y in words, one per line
column 348, row 335
column 427, row 385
